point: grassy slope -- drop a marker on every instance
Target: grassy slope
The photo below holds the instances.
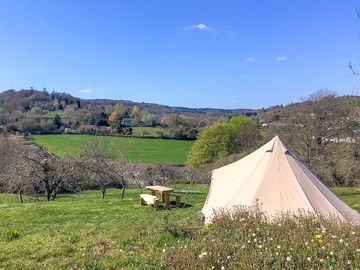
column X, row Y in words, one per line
column 76, row 230
column 148, row 131
column 81, row 231
column 52, row 114
column 134, row 149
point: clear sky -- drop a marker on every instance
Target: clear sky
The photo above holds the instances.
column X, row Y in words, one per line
column 194, row 53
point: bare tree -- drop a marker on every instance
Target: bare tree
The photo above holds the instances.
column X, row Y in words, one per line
column 96, row 165
column 29, row 171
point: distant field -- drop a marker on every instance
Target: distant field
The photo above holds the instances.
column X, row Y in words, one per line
column 133, row 149
column 52, row 114
column 80, row 231
column 148, row 131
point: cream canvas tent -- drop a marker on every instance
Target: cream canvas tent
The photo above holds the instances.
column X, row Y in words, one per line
column 278, row 181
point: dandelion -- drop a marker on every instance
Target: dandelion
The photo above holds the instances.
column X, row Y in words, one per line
column 309, row 259
column 164, row 250
column 288, row 258
column 341, row 241
column 331, row 253
column 318, row 238
column 278, row 247
column 260, row 246
column 206, row 226
column 253, row 234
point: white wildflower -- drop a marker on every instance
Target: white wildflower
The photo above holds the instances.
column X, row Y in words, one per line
column 341, row 241
column 288, row 258
column 278, row 247
column 331, row 253
column 164, row 250
column 309, row 259
column 222, row 267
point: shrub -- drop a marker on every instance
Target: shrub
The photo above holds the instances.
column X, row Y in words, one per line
column 12, row 235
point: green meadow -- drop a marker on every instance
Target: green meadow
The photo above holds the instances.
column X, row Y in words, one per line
column 141, row 150
column 80, row 231
column 148, row 131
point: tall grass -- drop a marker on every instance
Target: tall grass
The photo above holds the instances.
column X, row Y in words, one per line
column 248, row 240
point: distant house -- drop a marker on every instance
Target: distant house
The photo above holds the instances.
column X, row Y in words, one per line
column 127, row 122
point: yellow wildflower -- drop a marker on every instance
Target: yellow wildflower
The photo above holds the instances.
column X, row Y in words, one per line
column 318, row 238
column 206, row 226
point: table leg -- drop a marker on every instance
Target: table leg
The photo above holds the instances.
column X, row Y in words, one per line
column 167, row 200
column 163, row 197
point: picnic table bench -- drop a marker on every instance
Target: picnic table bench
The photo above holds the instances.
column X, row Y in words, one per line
column 149, row 199
column 177, row 198
column 164, row 191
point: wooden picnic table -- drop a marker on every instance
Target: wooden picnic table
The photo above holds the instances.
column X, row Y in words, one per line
column 164, row 191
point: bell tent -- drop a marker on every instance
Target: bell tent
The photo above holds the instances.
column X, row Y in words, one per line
column 275, row 179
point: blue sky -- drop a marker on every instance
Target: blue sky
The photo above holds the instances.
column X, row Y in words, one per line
column 194, row 53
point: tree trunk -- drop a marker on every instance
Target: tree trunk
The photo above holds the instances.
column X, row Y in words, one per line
column 123, row 192
column 47, row 193
column 20, row 197
column 103, row 191
column 53, row 194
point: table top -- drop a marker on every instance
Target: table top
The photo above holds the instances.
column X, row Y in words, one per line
column 159, row 188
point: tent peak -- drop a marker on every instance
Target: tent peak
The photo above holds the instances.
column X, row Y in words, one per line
column 277, row 143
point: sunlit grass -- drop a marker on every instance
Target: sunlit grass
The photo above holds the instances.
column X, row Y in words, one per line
column 80, row 231
column 133, row 149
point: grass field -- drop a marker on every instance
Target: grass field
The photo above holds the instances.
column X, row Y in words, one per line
column 133, row 149
column 79, row 231
column 52, row 114
column 148, row 131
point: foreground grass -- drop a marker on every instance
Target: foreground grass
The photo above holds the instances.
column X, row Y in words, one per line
column 133, row 149
column 79, row 231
